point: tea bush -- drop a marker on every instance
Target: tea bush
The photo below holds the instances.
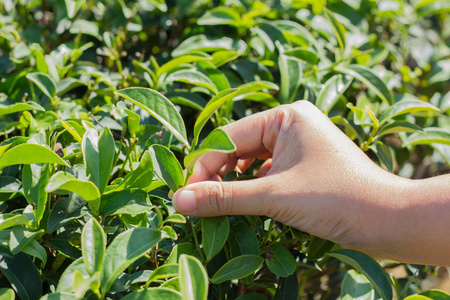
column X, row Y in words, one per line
column 105, row 103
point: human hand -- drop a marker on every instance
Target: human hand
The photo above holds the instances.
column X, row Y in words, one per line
column 317, row 181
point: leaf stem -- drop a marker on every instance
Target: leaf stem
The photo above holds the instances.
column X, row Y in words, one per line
column 197, row 245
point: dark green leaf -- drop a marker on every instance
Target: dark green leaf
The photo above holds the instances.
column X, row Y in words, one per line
column 237, row 268
column 369, row 268
column 318, row 248
column 167, row 167
column 35, row 249
column 356, row 286
column 436, row 294
column 178, row 250
column 44, row 82
column 287, row 288
column 20, row 237
column 384, row 154
column 215, row 234
column 62, row 213
column 291, row 73
column 131, row 202
column 141, row 177
column 34, row 179
column 242, row 240
column 159, row 107
column 280, row 261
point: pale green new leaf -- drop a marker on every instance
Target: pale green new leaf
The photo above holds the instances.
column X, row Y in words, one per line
column 193, row 77
column 193, row 278
column 432, row 135
column 177, row 61
column 93, row 245
column 218, row 141
column 10, row 220
column 208, row 44
column 159, row 107
column 304, row 54
column 399, row 126
column 220, row 16
column 407, row 105
column 22, row 106
column 331, row 91
column 29, row 154
column 384, row 154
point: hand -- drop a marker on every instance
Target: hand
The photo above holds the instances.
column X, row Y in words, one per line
column 317, row 181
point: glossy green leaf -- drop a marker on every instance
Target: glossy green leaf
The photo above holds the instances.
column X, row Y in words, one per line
column 384, row 154
column 177, row 61
column 67, row 182
column 399, row 126
column 318, row 248
column 169, row 232
column 215, row 234
column 431, row 135
column 220, row 16
column 407, row 105
column 291, row 72
column 193, row 77
column 237, row 268
column 356, row 286
column 368, row 267
column 216, row 76
column 159, row 293
column 129, row 202
column 23, row 276
column 10, row 220
column 219, row 58
column 242, row 240
column 159, row 107
column 426, row 8
column 16, row 107
column 7, row 294
column 34, row 180
column 20, row 238
column 178, row 250
column 160, row 4
column 331, row 91
column 418, row 297
column 280, row 261
column 338, row 29
column 436, row 294
column 163, row 272
column 287, row 288
column 67, row 85
column 35, row 249
column 217, row 141
column 208, row 44
column 98, row 154
column 44, row 82
column 304, row 54
column 93, row 245
column 193, row 278
column 167, row 167
column 64, row 211
column 126, row 248
column 67, row 279
column 59, row 296
column 141, row 177
column 29, row 154
column 370, row 79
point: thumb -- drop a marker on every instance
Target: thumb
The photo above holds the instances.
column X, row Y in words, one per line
column 213, row 198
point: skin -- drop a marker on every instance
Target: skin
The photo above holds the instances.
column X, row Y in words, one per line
column 318, row 181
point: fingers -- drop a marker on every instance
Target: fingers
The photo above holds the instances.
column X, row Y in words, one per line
column 247, row 197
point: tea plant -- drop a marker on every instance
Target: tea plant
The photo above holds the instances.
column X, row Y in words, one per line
column 107, row 105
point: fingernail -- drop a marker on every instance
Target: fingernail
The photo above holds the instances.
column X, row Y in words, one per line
column 184, row 201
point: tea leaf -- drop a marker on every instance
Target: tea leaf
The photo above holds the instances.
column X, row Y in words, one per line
column 432, row 135
column 408, row 105
column 287, row 288
column 35, row 249
column 193, row 278
column 126, row 248
column 10, row 220
column 59, row 296
column 218, row 141
column 29, row 154
column 356, row 286
column 7, row 294
column 93, row 245
column 163, row 272
column 44, row 82
column 177, row 61
column 131, row 202
column 159, row 107
column 220, row 16
column 304, row 55
column 141, row 177
column 242, row 240
column 16, row 107
column 368, row 267
column 370, row 79
column 384, row 155
column 331, row 91
column 280, row 261
column 215, row 234
column 34, row 180
column 291, row 72
column 237, row 268
column 209, row 44
column 159, row 293
column 318, row 248
column 193, row 77
column 20, row 238
column 399, row 126
column 67, row 278
column 167, row 167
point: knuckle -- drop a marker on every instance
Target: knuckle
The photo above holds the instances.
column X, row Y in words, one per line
column 219, row 197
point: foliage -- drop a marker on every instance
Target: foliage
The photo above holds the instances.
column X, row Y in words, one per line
column 104, row 103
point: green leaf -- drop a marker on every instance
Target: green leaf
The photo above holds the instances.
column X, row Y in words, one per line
column 304, row 55
column 65, row 210
column 10, row 220
column 338, row 29
column 209, row 44
column 220, row 16
column 59, row 296
column 432, row 135
column 370, row 79
column 163, row 272
column 193, row 77
column 287, row 288
column 67, row 182
column 20, row 237
column 93, row 245
column 217, row 77
column 177, row 61
column 426, row 8
column 218, row 141
column 126, row 248
column 193, row 278
column 215, row 234
column 436, row 294
column 406, row 105
column 35, row 249
column 384, row 154
column 399, row 126
column 30, row 154
column 130, row 202
column 368, row 267
column 85, row 27
column 16, row 107
column 178, row 250
column 219, row 58
column 34, row 179
column 291, row 73
column 98, row 153
column 160, row 4
column 209, row 110
column 159, row 107
column 23, row 276
column 331, row 91
column 242, row 240
column 356, row 286
column 141, row 177
column 44, row 82
column 237, row 268
column 67, row 279
column 280, row 261
column 7, row 294
column 159, row 293
column 318, row 248
column 167, row 167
